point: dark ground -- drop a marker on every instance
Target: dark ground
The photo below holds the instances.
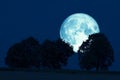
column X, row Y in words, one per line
column 34, row 74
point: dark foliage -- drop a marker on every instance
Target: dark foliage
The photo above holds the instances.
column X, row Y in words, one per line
column 23, row 54
column 55, row 54
column 29, row 53
column 96, row 52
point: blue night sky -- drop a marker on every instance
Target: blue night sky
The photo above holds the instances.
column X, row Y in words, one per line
column 42, row 19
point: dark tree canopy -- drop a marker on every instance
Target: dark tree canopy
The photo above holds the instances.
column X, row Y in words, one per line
column 29, row 53
column 23, row 54
column 55, row 53
column 96, row 52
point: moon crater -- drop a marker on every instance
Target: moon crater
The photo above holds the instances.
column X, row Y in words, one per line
column 76, row 29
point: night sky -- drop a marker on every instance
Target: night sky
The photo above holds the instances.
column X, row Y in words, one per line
column 42, row 19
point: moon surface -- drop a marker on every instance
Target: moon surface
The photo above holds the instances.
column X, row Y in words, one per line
column 76, row 29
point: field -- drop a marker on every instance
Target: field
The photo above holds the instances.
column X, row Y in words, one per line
column 18, row 74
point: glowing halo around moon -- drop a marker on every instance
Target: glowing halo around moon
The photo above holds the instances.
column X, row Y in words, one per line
column 76, row 28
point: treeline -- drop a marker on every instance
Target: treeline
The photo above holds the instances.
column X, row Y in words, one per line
column 29, row 53
column 96, row 52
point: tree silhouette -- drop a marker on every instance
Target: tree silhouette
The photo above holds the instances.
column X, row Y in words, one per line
column 24, row 54
column 55, row 54
column 29, row 53
column 96, row 52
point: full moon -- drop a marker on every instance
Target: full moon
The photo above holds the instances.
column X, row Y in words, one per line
column 76, row 29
